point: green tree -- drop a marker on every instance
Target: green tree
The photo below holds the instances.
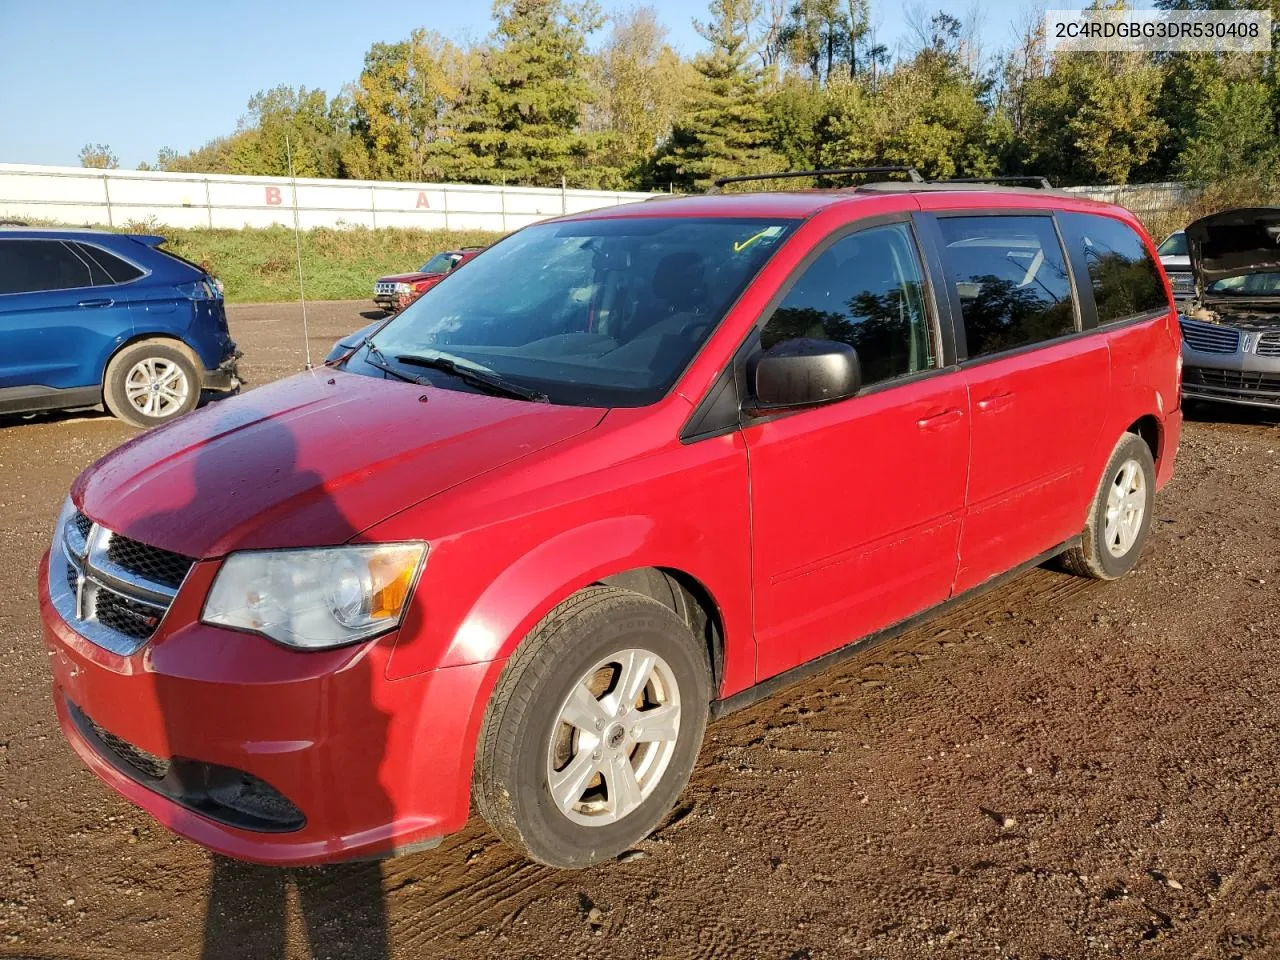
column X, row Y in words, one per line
column 285, row 122
column 639, row 84
column 1234, row 135
column 98, row 156
column 406, row 107
column 523, row 118
column 724, row 129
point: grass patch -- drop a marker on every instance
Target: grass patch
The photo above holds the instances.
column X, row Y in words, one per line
column 260, row 265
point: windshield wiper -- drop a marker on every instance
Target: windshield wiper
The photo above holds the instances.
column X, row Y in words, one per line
column 479, row 378
column 375, row 358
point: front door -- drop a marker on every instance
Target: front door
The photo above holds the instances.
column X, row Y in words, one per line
column 856, row 506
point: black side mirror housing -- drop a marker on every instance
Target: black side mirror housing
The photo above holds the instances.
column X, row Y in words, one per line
column 805, row 372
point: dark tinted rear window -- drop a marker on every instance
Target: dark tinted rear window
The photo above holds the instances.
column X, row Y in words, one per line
column 116, row 270
column 1123, row 275
column 29, row 266
column 1011, row 278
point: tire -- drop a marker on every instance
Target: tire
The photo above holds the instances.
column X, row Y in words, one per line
column 528, row 754
column 1108, row 552
column 127, row 387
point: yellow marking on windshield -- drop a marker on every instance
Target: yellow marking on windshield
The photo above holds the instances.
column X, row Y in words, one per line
column 739, row 247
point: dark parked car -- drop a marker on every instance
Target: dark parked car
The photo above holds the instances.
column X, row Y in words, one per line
column 398, row 291
column 90, row 319
column 1231, row 329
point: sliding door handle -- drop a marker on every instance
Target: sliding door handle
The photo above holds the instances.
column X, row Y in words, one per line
column 995, row 402
column 100, row 302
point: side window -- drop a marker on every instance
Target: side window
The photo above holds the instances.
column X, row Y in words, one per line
column 865, row 290
column 1011, row 277
column 115, row 269
column 30, row 266
column 1122, row 273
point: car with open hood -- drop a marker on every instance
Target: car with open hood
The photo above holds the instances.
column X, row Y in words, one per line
column 629, row 470
column 1231, row 329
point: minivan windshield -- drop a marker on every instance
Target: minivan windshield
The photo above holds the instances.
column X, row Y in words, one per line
column 604, row 312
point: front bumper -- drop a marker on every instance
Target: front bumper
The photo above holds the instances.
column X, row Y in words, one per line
column 1227, row 364
column 345, row 763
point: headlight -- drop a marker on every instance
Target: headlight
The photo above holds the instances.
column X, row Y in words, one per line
column 313, row 599
column 404, row 287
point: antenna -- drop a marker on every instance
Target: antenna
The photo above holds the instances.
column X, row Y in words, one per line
column 297, row 246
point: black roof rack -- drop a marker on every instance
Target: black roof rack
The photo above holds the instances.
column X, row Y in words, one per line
column 912, row 174
column 1042, row 182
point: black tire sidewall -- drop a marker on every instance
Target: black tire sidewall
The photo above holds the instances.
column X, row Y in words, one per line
column 1132, row 447
column 113, row 389
column 548, row 834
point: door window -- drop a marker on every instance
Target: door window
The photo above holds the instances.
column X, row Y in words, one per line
column 865, row 290
column 1122, row 273
column 1011, row 278
column 28, row 266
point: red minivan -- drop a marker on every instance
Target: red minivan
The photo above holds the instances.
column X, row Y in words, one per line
column 628, row 471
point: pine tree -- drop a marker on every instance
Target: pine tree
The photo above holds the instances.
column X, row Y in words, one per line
column 725, row 127
column 522, row 123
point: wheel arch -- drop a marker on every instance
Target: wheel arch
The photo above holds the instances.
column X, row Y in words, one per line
column 168, row 339
column 1149, row 428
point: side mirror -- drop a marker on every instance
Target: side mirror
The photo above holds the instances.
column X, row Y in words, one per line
column 803, row 372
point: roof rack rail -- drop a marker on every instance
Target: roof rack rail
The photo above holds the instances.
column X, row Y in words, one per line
column 1041, row 182
column 912, row 174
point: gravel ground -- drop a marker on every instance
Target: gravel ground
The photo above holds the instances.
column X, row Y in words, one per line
column 1057, row 769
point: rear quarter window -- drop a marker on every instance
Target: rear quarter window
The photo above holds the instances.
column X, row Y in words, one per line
column 1124, row 277
column 116, row 269
column 1010, row 276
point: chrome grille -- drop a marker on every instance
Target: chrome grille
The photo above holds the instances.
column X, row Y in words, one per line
column 1182, row 283
column 1207, row 338
column 1268, row 345
column 113, row 590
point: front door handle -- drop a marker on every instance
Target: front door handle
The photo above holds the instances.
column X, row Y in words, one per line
column 937, row 421
column 995, row 402
column 101, row 302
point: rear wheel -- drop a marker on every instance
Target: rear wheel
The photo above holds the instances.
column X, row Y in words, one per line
column 593, row 729
column 1120, row 515
column 151, row 382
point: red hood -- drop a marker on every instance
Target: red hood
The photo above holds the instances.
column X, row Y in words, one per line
column 309, row 461
column 410, row 277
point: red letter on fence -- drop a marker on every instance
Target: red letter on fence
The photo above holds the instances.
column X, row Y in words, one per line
column 422, row 200
column 273, row 196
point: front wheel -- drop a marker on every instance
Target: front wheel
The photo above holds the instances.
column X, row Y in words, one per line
column 593, row 729
column 1119, row 516
column 151, row 382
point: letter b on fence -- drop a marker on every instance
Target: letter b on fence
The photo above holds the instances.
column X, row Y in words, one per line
column 273, row 197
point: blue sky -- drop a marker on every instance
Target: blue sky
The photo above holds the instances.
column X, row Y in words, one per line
column 145, row 74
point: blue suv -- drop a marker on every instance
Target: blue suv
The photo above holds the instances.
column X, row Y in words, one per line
column 89, row 318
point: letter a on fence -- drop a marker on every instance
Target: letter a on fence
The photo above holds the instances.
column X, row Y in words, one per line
column 422, row 200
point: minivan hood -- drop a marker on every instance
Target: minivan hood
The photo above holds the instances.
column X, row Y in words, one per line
column 1234, row 243
column 310, row 461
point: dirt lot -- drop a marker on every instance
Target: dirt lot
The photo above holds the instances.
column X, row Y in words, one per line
column 1057, row 769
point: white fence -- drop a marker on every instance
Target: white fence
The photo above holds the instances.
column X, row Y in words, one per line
column 74, row 195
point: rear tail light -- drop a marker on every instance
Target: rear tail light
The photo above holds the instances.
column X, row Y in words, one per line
column 199, row 290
